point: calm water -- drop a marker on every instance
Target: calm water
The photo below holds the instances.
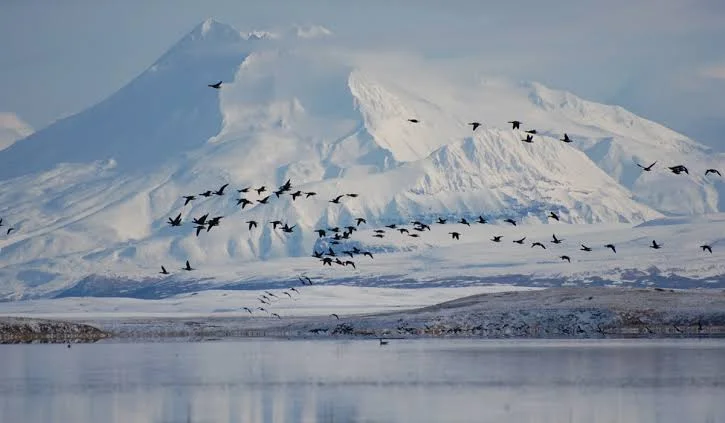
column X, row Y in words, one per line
column 254, row 381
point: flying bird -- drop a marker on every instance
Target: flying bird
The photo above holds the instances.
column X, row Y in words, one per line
column 276, row 315
column 360, row 220
column 565, row 258
column 655, row 245
column 244, row 202
column 515, row 124
column 441, row 221
column 556, row 240
column 164, row 271
column 220, row 191
column 335, row 316
column 455, row 235
column 190, row 198
column 585, row 248
column 206, row 193
column 199, row 228
column 9, row 230
column 531, row 131
column 529, row 139
column 611, row 247
column 648, row 168
column 706, row 248
column 295, row 195
column 566, row 138
column 413, row 120
column 538, row 244
column 201, row 220
column 243, row 190
column 251, row 223
column 188, row 266
column 475, row 125
column 679, row 169
column 249, row 310
column 464, row 221
column 263, row 200
column 715, row 171
column 554, row 216
column 176, row 221
column 511, row 221
column 520, row 241
column 217, row 85
column 336, row 200
column 481, row 220
column 497, row 238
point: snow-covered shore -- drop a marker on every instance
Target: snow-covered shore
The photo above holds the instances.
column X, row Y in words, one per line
column 549, row 313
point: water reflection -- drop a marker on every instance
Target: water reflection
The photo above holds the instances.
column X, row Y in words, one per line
column 269, row 381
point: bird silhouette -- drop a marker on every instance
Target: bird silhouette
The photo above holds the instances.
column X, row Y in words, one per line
column 585, row 248
column 175, row 221
column 201, row 220
column 554, row 216
column 261, row 189
column 336, row 200
column 360, row 220
column 715, row 171
column 464, row 221
column 529, row 138
column 413, row 120
column 556, row 240
column 276, row 315
column 531, row 131
column 243, row 190
column 310, row 194
column 199, row 228
column 220, row 191
column 455, row 235
column 520, row 241
column 706, row 248
column 206, row 193
column 263, row 200
column 275, row 223
column 655, row 245
column 295, row 195
column 538, row 244
column 244, row 202
column 475, row 125
column 9, row 230
column 367, row 253
column 188, row 267
column 189, row 198
column 249, row 310
column 567, row 258
column 164, row 271
column 441, row 221
column 217, row 85
column 611, row 247
column 566, row 138
column 648, row 168
column 511, row 221
column 679, row 169
column 497, row 238
column 515, row 124
column 251, row 224
column 481, row 220
column 335, row 316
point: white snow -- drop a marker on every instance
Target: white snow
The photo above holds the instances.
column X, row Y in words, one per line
column 12, row 128
column 89, row 196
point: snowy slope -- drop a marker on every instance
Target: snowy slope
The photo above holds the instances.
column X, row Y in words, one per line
column 12, row 128
column 90, row 195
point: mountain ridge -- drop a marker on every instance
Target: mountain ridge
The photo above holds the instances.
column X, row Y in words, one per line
column 96, row 188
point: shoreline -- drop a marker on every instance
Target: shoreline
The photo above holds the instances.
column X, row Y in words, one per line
column 554, row 313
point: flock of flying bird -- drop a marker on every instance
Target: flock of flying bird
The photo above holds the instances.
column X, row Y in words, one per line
column 341, row 234
column 335, row 236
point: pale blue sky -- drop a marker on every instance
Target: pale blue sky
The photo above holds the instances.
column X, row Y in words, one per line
column 663, row 60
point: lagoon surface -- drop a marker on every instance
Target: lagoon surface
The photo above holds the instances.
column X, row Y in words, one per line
column 266, row 380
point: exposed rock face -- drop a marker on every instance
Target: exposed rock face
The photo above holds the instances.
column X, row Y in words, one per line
column 16, row 330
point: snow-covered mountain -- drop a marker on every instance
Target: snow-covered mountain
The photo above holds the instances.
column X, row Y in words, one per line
column 91, row 194
column 12, row 128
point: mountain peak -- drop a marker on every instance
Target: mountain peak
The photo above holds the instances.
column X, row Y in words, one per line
column 12, row 128
column 212, row 29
